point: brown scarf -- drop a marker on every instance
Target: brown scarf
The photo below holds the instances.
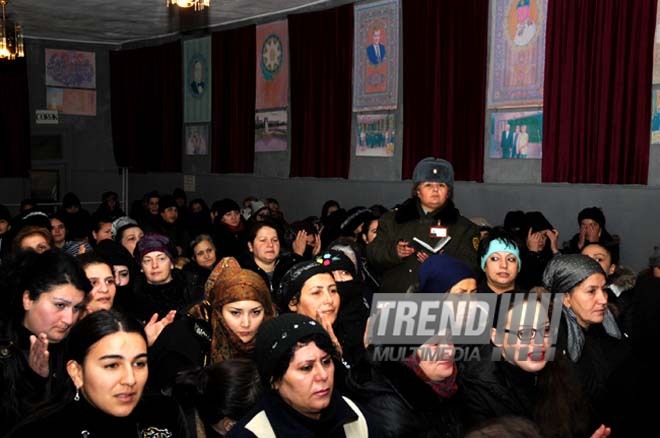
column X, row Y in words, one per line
column 227, row 284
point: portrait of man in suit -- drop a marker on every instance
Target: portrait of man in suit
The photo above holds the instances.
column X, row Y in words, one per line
column 506, row 142
column 197, row 85
column 376, row 50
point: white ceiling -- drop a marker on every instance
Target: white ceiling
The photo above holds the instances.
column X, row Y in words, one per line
column 121, row 21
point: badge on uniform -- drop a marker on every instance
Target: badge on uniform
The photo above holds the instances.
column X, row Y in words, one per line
column 437, row 232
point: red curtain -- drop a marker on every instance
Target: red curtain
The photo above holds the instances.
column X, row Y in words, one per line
column 14, row 119
column 321, row 46
column 597, row 112
column 147, row 100
column 234, row 77
column 444, row 83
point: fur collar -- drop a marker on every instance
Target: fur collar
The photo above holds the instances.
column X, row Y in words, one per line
column 411, row 210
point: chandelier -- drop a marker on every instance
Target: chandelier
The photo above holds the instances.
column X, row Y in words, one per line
column 11, row 37
column 197, row 5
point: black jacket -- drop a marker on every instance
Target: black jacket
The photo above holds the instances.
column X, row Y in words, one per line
column 154, row 416
column 401, row 404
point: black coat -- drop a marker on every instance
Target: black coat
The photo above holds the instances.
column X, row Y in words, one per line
column 21, row 389
column 154, row 416
column 148, row 299
column 401, row 404
column 492, row 389
column 286, row 422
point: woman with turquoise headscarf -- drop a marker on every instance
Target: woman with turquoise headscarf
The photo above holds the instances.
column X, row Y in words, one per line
column 499, row 256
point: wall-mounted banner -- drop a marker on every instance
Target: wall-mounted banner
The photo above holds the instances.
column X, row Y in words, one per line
column 70, row 68
column 272, row 65
column 376, row 56
column 197, row 80
column 517, row 53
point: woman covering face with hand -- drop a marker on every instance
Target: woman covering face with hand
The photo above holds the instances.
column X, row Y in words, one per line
column 309, row 289
column 106, row 360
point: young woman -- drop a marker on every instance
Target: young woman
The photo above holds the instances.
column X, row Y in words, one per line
column 43, row 297
column 104, row 291
column 515, row 376
column 499, row 254
column 295, row 359
column 106, row 360
column 221, row 327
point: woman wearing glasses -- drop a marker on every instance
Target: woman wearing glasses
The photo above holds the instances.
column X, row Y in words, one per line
column 516, row 374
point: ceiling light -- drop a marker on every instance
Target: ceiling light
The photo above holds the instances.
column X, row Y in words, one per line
column 11, row 37
column 198, row 5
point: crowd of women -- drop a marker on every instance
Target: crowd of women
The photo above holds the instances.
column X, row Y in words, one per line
column 181, row 320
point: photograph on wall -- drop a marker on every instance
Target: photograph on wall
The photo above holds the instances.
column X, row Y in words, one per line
column 375, row 135
column 272, row 65
column 516, row 135
column 376, row 56
column 197, row 139
column 70, row 69
column 517, row 53
column 656, row 49
column 197, row 80
column 71, row 101
column 270, row 131
column 655, row 118
column 45, row 185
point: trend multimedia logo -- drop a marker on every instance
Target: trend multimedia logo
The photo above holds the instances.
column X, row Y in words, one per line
column 458, row 326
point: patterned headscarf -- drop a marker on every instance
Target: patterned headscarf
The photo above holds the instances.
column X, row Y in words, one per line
column 229, row 283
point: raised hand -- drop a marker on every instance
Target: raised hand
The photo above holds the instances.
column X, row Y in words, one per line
column 39, row 355
column 154, row 327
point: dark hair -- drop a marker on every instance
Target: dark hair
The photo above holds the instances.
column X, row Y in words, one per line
column 608, row 246
column 322, row 341
column 254, row 229
column 506, row 427
column 226, row 389
column 92, row 258
column 40, row 273
column 106, row 196
column 99, row 221
column 326, row 207
column 121, row 230
column 94, row 327
column 498, row 233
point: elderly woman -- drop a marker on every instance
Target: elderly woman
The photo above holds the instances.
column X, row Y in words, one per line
column 591, row 339
column 295, row 357
column 499, row 256
column 429, row 215
column 220, row 327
